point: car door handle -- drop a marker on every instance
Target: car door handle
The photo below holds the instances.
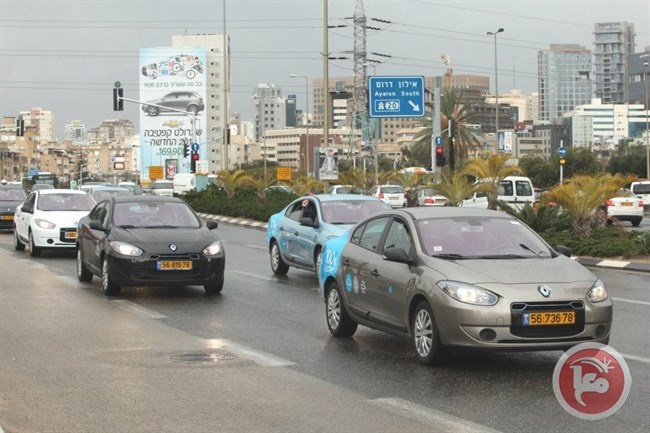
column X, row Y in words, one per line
column 374, row 273
column 345, row 262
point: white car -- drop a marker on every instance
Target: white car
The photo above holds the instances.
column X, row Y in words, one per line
column 392, row 195
column 47, row 219
column 163, row 188
column 427, row 197
column 626, row 206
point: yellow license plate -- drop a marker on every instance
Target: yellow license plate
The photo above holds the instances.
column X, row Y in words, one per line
column 7, row 217
column 546, row 318
column 175, row 265
column 71, row 235
column 625, row 203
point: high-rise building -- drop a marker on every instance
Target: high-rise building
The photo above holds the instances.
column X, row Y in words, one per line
column 564, row 79
column 76, row 133
column 217, row 106
column 613, row 43
column 43, row 123
column 270, row 108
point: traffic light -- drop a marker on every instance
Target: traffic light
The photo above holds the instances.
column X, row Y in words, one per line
column 186, row 150
column 118, row 102
column 20, row 126
column 562, row 161
column 440, row 156
column 194, row 159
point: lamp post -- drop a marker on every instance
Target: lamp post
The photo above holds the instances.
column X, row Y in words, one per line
column 308, row 152
column 647, row 130
column 496, row 85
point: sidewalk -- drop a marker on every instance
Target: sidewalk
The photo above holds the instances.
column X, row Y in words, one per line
column 638, row 266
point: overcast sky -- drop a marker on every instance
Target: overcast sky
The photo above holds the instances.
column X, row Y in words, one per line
column 64, row 56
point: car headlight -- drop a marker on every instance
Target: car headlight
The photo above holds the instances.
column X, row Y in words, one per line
column 125, row 249
column 598, row 292
column 44, row 224
column 468, row 293
column 213, row 249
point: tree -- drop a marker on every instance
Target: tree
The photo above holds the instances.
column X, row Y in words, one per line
column 541, row 172
column 490, row 172
column 230, row 181
column 629, row 160
column 583, row 197
column 463, row 115
column 456, row 187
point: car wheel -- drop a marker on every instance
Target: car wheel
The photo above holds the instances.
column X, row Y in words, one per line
column 108, row 285
column 636, row 222
column 152, row 111
column 190, row 74
column 34, row 251
column 193, row 109
column 214, row 287
column 318, row 259
column 83, row 274
column 18, row 246
column 426, row 338
column 338, row 321
column 277, row 264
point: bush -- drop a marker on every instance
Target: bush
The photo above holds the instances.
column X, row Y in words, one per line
column 603, row 242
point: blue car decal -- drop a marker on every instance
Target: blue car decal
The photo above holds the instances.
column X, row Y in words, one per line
column 331, row 260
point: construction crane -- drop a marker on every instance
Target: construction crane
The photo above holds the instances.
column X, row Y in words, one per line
column 448, row 71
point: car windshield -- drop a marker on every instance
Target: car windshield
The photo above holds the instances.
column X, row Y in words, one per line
column 154, row 215
column 479, row 238
column 349, row 211
column 12, row 194
column 65, row 202
column 100, row 195
column 163, row 185
column 392, row 190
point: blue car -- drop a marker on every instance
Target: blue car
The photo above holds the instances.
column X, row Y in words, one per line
column 296, row 234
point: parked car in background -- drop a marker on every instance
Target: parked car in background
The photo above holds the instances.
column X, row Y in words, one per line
column 296, row 234
column 132, row 186
column 427, row 197
column 626, row 206
column 100, row 193
column 191, row 102
column 143, row 240
column 392, row 195
column 460, row 278
column 516, row 191
column 10, row 198
column 641, row 189
column 47, row 219
column 162, row 188
column 344, row 189
column 184, row 182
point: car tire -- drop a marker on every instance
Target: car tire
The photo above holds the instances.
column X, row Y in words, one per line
column 152, row 111
column 34, row 251
column 318, row 257
column 214, row 287
column 190, row 74
column 83, row 274
column 636, row 222
column 426, row 338
column 193, row 109
column 338, row 320
column 108, row 285
column 278, row 266
column 18, row 246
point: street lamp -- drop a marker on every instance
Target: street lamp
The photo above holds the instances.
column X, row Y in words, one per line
column 647, row 130
column 306, row 115
column 496, row 85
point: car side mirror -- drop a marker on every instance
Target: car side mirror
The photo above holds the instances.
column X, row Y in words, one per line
column 565, row 251
column 397, row 254
column 306, row 221
column 96, row 225
column 211, row 225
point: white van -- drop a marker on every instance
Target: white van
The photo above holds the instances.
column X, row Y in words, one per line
column 515, row 190
column 184, row 182
column 641, row 189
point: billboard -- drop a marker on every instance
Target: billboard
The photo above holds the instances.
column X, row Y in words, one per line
column 173, row 110
column 327, row 163
column 504, row 141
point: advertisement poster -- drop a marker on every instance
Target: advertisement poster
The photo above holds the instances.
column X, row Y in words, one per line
column 504, row 141
column 328, row 167
column 173, row 82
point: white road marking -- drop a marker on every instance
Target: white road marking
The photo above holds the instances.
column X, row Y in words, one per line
column 631, row 301
column 259, row 277
column 137, row 309
column 256, row 247
column 264, row 359
column 442, row 421
column 613, row 263
column 636, row 358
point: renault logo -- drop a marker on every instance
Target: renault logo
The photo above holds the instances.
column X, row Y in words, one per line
column 172, row 247
column 545, row 291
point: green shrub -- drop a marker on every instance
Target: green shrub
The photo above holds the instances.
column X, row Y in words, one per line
column 603, row 242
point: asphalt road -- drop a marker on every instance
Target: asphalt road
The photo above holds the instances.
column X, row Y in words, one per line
column 259, row 357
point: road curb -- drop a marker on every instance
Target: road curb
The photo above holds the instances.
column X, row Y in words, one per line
column 585, row 261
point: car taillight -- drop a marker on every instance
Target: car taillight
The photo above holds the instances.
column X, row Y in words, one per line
column 381, row 195
column 429, row 200
column 640, row 203
column 609, row 203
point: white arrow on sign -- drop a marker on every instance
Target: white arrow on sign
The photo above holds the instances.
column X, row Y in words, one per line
column 416, row 107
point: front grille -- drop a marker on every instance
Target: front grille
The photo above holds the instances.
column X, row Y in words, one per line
column 517, row 310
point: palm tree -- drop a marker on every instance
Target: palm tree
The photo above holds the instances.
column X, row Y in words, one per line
column 582, row 197
column 456, row 187
column 231, row 181
column 411, row 183
column 490, row 172
column 462, row 114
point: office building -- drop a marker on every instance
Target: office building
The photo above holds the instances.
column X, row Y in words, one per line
column 613, row 43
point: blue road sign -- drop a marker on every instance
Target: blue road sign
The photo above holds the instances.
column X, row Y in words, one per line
column 195, row 147
column 396, row 96
column 561, row 151
column 438, row 140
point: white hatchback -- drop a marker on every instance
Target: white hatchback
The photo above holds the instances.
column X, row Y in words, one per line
column 48, row 219
column 626, row 206
column 392, row 195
